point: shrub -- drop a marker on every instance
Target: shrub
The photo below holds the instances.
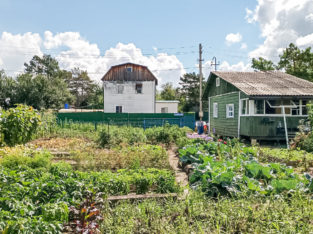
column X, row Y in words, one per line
column 167, row 134
column 19, row 124
column 121, row 135
column 22, row 157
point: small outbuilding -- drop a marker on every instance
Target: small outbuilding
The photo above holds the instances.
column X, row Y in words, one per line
column 256, row 105
column 166, row 106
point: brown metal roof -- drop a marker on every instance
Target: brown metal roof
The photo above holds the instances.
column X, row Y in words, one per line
column 138, row 73
column 269, row 83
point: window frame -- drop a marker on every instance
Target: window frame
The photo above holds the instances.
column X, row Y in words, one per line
column 218, row 82
column 138, row 85
column 118, row 109
column 215, row 110
column 228, row 116
column 129, row 69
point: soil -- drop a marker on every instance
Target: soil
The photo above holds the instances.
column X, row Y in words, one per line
column 180, row 175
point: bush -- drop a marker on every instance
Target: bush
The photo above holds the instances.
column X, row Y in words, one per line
column 14, row 158
column 167, row 134
column 121, row 135
column 18, row 125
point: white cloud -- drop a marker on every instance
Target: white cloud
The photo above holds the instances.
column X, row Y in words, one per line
column 232, row 38
column 17, row 49
column 225, row 66
column 281, row 22
column 71, row 50
column 305, row 41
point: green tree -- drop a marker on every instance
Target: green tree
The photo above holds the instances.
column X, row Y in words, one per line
column 7, row 90
column 189, row 92
column 262, row 64
column 168, row 92
column 95, row 97
column 81, row 86
column 297, row 62
column 42, row 93
column 45, row 65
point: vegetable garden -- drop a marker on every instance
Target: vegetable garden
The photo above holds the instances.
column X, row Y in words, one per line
column 57, row 179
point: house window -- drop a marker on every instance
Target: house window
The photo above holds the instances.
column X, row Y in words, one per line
column 129, row 69
column 138, row 88
column 244, row 107
column 304, row 108
column 164, row 110
column 230, row 111
column 215, row 110
column 119, row 109
column 217, row 82
column 120, row 89
column 259, row 107
column 296, row 110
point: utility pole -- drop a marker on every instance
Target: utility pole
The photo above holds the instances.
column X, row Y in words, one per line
column 200, row 77
column 215, row 64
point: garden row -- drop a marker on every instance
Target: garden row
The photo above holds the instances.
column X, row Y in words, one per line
column 37, row 195
column 230, row 168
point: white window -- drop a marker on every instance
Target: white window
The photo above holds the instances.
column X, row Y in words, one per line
column 215, row 110
column 129, row 69
column 120, row 89
column 230, row 111
column 217, row 82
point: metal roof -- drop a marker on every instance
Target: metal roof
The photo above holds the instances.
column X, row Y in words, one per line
column 269, row 83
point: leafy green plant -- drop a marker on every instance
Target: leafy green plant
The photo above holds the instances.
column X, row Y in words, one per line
column 19, row 124
column 222, row 168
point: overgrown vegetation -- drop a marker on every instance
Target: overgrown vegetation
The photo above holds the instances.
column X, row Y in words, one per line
column 18, row 125
column 168, row 134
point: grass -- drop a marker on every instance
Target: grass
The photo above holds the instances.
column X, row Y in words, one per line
column 199, row 214
column 284, row 213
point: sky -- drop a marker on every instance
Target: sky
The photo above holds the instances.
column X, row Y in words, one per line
column 163, row 35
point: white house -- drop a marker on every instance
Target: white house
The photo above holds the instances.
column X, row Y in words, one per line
column 131, row 88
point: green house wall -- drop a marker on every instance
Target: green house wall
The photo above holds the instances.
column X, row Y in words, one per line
column 268, row 127
column 221, row 125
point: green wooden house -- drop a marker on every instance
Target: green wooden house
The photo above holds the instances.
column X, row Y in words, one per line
column 256, row 105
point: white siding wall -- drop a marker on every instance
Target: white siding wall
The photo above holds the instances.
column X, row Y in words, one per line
column 130, row 101
column 171, row 106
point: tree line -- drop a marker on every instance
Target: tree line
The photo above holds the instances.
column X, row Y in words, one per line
column 44, row 85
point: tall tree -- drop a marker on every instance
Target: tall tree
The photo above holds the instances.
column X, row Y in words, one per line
column 42, row 93
column 81, row 86
column 168, row 92
column 262, row 64
column 189, row 92
column 7, row 90
column 297, row 62
column 45, row 65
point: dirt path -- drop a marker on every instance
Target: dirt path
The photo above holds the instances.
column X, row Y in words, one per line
column 180, row 175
